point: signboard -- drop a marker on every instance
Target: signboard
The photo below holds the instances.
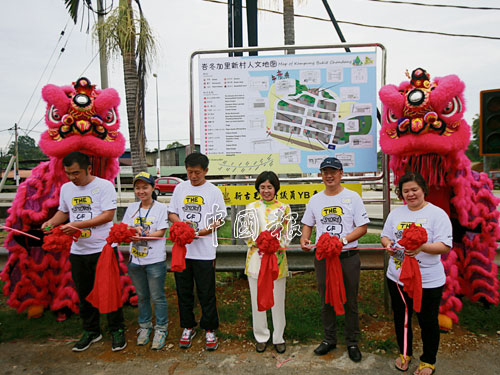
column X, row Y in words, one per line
column 287, row 113
column 291, row 194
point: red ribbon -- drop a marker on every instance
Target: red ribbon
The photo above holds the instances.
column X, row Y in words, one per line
column 329, row 248
column 413, row 237
column 180, row 234
column 58, row 241
column 268, row 245
column 107, row 292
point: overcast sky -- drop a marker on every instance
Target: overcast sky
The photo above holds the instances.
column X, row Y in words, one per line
column 30, row 31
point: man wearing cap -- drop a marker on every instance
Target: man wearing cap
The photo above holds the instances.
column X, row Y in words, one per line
column 339, row 212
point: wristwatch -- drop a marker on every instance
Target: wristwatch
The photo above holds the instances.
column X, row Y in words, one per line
column 344, row 241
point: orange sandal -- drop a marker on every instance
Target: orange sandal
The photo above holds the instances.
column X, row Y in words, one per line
column 405, row 363
column 424, row 365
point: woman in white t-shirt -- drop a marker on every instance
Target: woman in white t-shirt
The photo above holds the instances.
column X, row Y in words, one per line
column 412, row 188
column 147, row 266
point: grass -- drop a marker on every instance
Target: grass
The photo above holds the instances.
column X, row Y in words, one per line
column 303, row 314
column 473, row 317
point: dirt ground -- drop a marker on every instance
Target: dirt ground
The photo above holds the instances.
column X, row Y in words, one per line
column 461, row 352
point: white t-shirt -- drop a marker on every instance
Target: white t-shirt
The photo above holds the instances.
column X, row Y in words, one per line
column 338, row 215
column 153, row 219
column 84, row 203
column 438, row 226
column 200, row 205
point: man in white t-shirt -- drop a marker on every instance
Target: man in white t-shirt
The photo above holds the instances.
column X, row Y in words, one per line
column 200, row 204
column 339, row 212
column 89, row 203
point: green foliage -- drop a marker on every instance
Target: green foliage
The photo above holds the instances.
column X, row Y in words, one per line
column 473, row 317
column 472, row 151
column 28, row 150
column 174, row 144
column 388, row 345
column 370, row 238
column 125, row 32
column 14, row 326
column 303, row 308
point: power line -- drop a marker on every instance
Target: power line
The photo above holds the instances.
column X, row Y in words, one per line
column 41, row 76
column 420, row 31
column 28, row 131
column 435, row 5
column 372, row 26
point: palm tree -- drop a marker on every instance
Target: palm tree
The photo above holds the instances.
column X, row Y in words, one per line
column 127, row 32
column 288, row 20
column 289, row 23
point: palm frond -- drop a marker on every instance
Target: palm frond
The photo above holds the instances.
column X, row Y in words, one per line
column 72, row 6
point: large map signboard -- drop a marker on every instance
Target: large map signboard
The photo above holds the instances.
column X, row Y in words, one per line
column 287, row 113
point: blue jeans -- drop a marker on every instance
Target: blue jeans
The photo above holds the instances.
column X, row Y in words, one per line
column 149, row 283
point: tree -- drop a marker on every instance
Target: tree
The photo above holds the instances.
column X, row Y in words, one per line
column 127, row 32
column 30, row 154
column 473, row 149
column 288, row 21
column 174, row 144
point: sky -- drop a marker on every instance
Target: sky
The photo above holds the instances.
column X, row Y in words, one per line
column 31, row 57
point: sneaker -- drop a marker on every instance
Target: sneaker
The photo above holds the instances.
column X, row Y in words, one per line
column 159, row 339
column 143, row 336
column 118, row 341
column 211, row 342
column 87, row 339
column 187, row 338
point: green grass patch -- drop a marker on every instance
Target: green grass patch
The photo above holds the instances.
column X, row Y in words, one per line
column 370, row 238
column 480, row 318
column 387, row 345
column 303, row 308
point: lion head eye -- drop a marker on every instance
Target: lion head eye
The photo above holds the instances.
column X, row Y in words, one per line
column 110, row 118
column 391, row 117
column 452, row 108
column 54, row 115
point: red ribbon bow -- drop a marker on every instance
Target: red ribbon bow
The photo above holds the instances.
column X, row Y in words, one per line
column 268, row 245
column 329, row 248
column 413, row 237
column 107, row 294
column 181, row 234
column 58, row 241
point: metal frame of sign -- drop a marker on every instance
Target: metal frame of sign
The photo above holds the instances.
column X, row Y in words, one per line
column 384, row 176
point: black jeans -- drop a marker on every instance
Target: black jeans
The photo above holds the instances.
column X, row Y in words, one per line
column 201, row 272
column 351, row 267
column 427, row 319
column 83, row 272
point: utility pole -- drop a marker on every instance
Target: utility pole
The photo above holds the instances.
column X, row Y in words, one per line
column 158, row 166
column 16, row 164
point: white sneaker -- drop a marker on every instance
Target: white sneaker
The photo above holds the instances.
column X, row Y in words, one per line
column 159, row 339
column 143, row 336
column 211, row 342
column 186, row 339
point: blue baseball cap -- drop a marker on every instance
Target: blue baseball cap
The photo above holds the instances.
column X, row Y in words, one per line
column 146, row 177
column 331, row 162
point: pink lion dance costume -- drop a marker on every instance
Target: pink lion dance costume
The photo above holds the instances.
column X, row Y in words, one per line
column 79, row 118
column 423, row 130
